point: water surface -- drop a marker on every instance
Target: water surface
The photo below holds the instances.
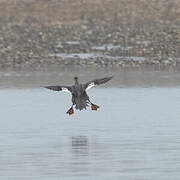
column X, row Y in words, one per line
column 134, row 136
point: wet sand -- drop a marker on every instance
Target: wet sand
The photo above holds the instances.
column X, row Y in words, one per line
column 123, row 78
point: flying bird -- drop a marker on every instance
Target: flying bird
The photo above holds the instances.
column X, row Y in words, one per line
column 80, row 99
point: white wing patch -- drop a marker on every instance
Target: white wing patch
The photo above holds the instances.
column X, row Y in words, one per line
column 65, row 89
column 90, row 86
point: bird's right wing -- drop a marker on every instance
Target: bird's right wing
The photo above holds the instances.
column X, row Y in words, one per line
column 59, row 88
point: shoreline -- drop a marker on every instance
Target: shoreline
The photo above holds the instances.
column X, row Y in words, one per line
column 122, row 79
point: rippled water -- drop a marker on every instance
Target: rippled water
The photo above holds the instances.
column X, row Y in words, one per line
column 134, row 136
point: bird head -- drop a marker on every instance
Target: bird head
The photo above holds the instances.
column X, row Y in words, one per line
column 76, row 79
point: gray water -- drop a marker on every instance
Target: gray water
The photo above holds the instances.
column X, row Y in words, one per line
column 134, row 136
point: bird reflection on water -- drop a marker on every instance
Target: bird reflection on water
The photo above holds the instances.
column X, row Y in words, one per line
column 79, row 141
column 80, row 145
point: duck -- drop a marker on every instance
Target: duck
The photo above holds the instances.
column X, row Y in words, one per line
column 80, row 98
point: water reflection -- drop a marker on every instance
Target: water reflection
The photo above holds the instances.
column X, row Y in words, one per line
column 80, row 141
column 80, row 145
column 80, row 156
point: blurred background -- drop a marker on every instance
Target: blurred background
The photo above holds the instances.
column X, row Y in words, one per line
column 84, row 35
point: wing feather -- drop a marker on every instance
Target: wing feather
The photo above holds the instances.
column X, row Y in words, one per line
column 95, row 82
column 59, row 88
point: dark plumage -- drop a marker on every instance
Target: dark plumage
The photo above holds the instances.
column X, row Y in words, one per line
column 79, row 96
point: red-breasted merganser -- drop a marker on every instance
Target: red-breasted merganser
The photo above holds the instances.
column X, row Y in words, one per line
column 79, row 96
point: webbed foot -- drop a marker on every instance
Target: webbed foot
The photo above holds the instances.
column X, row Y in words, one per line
column 94, row 107
column 70, row 111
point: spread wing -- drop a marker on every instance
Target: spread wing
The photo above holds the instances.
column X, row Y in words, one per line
column 59, row 88
column 95, row 82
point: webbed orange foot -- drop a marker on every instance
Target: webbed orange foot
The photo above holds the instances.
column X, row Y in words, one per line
column 94, row 107
column 70, row 111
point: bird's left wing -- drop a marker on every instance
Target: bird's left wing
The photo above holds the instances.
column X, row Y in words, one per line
column 95, row 82
column 59, row 88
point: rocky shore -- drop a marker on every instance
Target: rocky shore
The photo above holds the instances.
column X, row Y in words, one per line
column 101, row 34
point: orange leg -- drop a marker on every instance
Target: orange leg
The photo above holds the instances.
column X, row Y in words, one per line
column 70, row 111
column 94, row 107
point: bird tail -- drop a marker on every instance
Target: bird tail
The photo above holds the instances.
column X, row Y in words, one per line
column 81, row 104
